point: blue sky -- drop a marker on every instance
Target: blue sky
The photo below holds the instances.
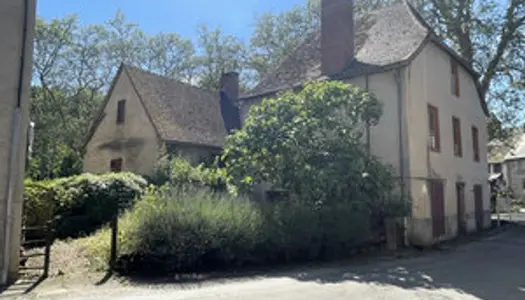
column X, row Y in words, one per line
column 181, row 16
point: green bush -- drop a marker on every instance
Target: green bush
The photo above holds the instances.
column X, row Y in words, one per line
column 191, row 229
column 177, row 171
column 311, row 143
column 80, row 204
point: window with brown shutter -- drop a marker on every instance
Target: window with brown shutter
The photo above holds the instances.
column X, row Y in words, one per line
column 121, row 112
column 115, row 165
column 475, row 142
column 456, row 125
column 433, row 126
column 454, row 78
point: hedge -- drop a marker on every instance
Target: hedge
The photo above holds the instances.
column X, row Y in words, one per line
column 194, row 229
column 80, row 204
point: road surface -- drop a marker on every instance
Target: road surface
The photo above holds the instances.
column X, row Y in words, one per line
column 492, row 269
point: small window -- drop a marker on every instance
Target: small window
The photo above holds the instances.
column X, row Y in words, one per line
column 454, row 78
column 433, row 125
column 475, row 143
column 121, row 112
column 497, row 168
column 115, row 165
column 456, row 125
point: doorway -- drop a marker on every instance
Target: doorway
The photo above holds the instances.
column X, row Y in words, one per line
column 478, row 202
column 437, row 200
column 460, row 196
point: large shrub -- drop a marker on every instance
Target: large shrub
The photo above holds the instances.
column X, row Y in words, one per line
column 80, row 204
column 191, row 229
column 178, row 171
column 311, row 143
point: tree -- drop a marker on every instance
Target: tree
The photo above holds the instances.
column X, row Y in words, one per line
column 276, row 35
column 219, row 53
column 310, row 143
column 490, row 35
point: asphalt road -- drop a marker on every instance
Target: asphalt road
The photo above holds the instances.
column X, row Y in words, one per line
column 492, row 268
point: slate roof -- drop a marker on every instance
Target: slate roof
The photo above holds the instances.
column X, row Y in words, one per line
column 512, row 148
column 180, row 112
column 383, row 38
column 518, row 150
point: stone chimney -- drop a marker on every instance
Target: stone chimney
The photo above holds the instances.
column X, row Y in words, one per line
column 229, row 95
column 337, row 35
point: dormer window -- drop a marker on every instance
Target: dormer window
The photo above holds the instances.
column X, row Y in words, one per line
column 454, row 77
column 121, row 112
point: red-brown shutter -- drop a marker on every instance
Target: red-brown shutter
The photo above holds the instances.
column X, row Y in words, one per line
column 121, row 112
column 433, row 116
column 475, row 142
column 458, row 148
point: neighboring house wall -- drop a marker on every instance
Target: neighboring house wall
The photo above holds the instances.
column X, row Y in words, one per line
column 429, row 82
column 11, row 37
column 194, row 153
column 135, row 141
column 516, row 176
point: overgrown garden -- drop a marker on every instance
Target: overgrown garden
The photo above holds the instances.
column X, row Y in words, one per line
column 189, row 218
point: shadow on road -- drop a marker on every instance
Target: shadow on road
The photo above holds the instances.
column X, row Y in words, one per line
column 491, row 269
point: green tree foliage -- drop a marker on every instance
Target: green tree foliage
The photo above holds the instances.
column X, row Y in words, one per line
column 80, row 204
column 310, row 143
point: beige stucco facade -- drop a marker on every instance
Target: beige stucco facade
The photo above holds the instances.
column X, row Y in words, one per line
column 401, row 138
column 13, row 122
column 428, row 81
column 135, row 141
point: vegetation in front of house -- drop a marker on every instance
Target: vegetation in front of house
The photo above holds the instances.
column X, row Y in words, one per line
column 80, row 204
column 312, row 144
column 177, row 171
column 181, row 229
column 309, row 143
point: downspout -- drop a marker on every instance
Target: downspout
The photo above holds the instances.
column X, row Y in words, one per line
column 401, row 137
column 399, row 83
column 368, row 143
column 14, row 153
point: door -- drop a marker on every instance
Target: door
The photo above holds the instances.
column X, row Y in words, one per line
column 478, row 203
column 437, row 199
column 460, row 196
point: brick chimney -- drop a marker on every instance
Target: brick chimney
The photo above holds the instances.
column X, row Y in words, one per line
column 229, row 95
column 337, row 35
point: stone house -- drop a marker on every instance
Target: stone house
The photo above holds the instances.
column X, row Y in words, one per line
column 17, row 23
column 146, row 116
column 508, row 159
column 433, row 130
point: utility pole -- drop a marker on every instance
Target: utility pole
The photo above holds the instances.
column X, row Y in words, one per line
column 17, row 27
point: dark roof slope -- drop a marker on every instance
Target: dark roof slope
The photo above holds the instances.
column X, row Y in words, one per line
column 180, row 112
column 383, row 38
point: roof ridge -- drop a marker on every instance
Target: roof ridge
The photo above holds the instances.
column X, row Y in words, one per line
column 178, row 81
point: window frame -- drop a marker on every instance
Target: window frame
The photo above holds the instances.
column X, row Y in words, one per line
column 457, row 139
column 475, row 143
column 121, row 111
column 433, row 121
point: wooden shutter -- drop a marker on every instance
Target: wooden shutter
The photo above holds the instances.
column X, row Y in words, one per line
column 454, row 77
column 437, row 199
column 478, row 202
column 475, row 142
column 456, row 126
column 433, row 124
column 121, row 112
